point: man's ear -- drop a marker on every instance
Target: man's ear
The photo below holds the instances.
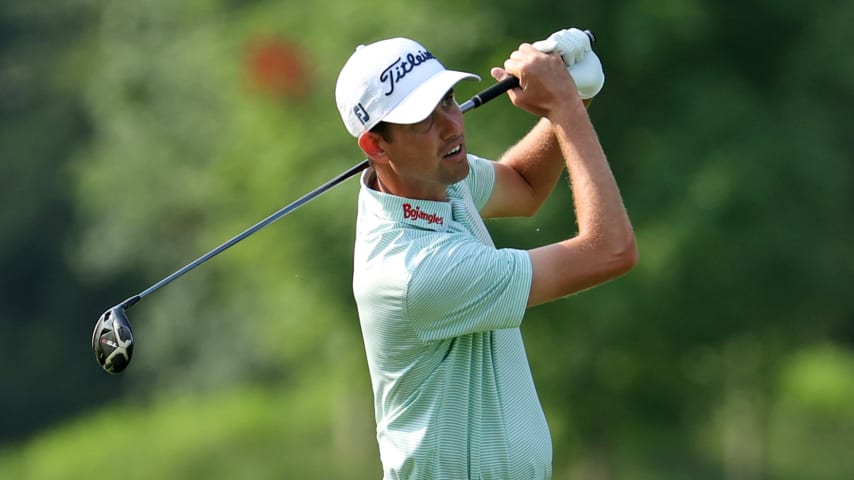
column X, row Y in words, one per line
column 372, row 144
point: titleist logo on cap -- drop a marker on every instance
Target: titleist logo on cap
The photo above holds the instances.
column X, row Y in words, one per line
column 396, row 80
column 400, row 68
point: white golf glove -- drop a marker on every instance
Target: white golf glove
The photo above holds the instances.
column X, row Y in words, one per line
column 574, row 47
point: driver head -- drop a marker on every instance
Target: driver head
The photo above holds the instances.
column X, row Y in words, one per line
column 112, row 340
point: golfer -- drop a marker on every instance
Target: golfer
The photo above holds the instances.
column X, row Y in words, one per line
column 440, row 306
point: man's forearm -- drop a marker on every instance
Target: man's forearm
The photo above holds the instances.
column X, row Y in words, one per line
column 538, row 160
column 599, row 208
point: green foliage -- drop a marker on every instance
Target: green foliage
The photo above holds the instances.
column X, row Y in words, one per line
column 228, row 435
column 812, row 423
column 137, row 135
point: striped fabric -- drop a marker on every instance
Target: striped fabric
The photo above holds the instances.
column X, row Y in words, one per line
column 440, row 309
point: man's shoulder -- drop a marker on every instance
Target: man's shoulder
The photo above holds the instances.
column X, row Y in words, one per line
column 479, row 182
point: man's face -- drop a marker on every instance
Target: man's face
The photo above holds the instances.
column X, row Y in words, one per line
column 429, row 155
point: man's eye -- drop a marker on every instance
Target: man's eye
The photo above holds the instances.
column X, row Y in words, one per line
column 424, row 125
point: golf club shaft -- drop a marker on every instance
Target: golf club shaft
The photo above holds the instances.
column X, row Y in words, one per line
column 476, row 101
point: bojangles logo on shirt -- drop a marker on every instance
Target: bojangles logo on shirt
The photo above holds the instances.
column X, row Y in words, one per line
column 415, row 213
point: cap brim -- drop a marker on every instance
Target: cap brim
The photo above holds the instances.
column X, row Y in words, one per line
column 421, row 102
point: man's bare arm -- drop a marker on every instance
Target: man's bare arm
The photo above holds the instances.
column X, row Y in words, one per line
column 604, row 246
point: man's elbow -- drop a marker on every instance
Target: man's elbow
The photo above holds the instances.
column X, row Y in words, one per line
column 617, row 253
column 624, row 253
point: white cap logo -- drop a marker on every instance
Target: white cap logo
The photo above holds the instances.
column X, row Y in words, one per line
column 395, row 80
column 398, row 70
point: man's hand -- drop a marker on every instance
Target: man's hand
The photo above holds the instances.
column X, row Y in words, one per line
column 545, row 86
column 575, row 48
column 571, row 44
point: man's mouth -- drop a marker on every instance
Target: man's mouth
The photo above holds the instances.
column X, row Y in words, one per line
column 453, row 152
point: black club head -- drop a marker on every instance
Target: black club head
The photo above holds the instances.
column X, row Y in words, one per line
column 112, row 340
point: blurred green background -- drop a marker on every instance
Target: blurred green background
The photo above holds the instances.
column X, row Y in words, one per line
column 135, row 136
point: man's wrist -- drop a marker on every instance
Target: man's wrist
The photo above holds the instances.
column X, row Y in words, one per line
column 569, row 111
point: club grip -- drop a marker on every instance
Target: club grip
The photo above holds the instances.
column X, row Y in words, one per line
column 503, row 86
column 591, row 37
column 494, row 91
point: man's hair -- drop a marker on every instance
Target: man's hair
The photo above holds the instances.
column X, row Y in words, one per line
column 383, row 129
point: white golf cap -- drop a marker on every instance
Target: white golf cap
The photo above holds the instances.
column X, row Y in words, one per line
column 395, row 80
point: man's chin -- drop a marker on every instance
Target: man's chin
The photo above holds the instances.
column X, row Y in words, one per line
column 460, row 170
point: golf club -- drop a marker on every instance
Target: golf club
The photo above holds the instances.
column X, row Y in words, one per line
column 112, row 338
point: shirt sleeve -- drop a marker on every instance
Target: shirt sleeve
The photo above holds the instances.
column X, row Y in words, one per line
column 480, row 180
column 460, row 288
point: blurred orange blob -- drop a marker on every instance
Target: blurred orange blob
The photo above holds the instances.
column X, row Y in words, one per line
column 275, row 67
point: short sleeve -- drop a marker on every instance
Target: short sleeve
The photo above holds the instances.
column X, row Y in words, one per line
column 480, row 180
column 464, row 287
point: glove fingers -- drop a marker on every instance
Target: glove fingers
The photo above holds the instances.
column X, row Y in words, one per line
column 545, row 46
column 572, row 45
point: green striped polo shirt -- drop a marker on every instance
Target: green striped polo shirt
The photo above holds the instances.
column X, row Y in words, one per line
column 440, row 308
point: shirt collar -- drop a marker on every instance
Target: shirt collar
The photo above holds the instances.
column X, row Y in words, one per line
column 424, row 214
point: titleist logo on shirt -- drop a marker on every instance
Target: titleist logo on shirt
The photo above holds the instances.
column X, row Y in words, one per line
column 411, row 213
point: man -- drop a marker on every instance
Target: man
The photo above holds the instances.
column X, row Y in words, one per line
column 440, row 307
